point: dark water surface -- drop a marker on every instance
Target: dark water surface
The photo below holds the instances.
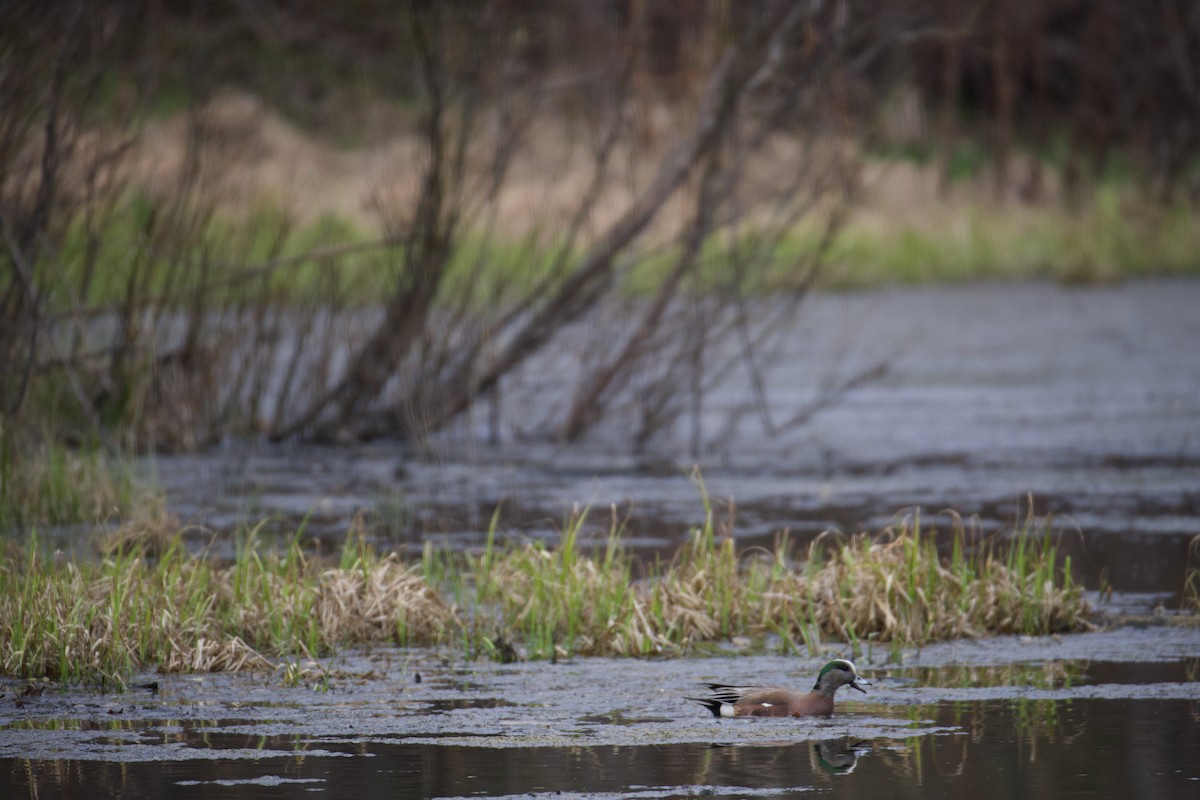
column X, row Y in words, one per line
column 1001, row 749
column 1110, row 714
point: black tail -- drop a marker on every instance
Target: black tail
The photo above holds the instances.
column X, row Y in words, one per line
column 712, row 705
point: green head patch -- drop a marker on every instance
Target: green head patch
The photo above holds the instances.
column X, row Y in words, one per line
column 837, row 663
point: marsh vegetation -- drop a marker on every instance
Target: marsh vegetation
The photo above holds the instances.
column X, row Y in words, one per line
column 181, row 268
column 149, row 603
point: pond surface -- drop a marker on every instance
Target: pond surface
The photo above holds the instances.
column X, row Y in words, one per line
column 1090, row 749
column 1088, row 399
column 1113, row 714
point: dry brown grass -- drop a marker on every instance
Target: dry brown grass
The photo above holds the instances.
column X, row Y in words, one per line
column 388, row 600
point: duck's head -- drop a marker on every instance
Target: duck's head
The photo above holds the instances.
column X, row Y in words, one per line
column 838, row 673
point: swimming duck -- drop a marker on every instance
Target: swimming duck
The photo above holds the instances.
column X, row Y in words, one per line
column 764, row 701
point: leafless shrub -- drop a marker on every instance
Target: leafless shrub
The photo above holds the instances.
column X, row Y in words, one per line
column 206, row 334
column 769, row 91
column 643, row 186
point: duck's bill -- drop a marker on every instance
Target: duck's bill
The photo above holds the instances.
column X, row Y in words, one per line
column 859, row 683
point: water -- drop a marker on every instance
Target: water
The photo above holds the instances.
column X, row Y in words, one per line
column 1111, row 714
column 1004, row 749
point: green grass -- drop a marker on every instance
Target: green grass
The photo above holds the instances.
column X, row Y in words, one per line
column 141, row 607
column 53, row 484
column 1109, row 239
column 560, row 600
column 895, row 588
column 98, row 622
column 148, row 251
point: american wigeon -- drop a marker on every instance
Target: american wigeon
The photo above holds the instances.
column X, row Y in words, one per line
column 765, row 701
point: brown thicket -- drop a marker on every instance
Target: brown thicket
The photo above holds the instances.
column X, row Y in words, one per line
column 679, row 110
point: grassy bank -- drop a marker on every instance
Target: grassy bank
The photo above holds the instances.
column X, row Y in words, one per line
column 338, row 258
column 1109, row 238
column 177, row 322
column 141, row 607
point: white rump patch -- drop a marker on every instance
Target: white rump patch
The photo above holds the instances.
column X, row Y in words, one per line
column 726, row 710
column 765, row 705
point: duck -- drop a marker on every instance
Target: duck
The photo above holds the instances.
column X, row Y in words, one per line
column 727, row 700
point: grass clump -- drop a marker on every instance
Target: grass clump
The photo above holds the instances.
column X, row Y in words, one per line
column 1191, row 580
column 148, row 602
column 97, row 622
column 57, row 485
column 896, row 587
column 562, row 600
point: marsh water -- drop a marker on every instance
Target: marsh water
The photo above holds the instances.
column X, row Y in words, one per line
column 1111, row 714
column 992, row 752
column 1088, row 399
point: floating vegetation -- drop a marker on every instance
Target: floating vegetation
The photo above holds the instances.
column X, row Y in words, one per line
column 160, row 606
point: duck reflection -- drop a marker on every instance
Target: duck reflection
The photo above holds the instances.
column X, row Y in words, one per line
column 837, row 756
column 833, row 756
